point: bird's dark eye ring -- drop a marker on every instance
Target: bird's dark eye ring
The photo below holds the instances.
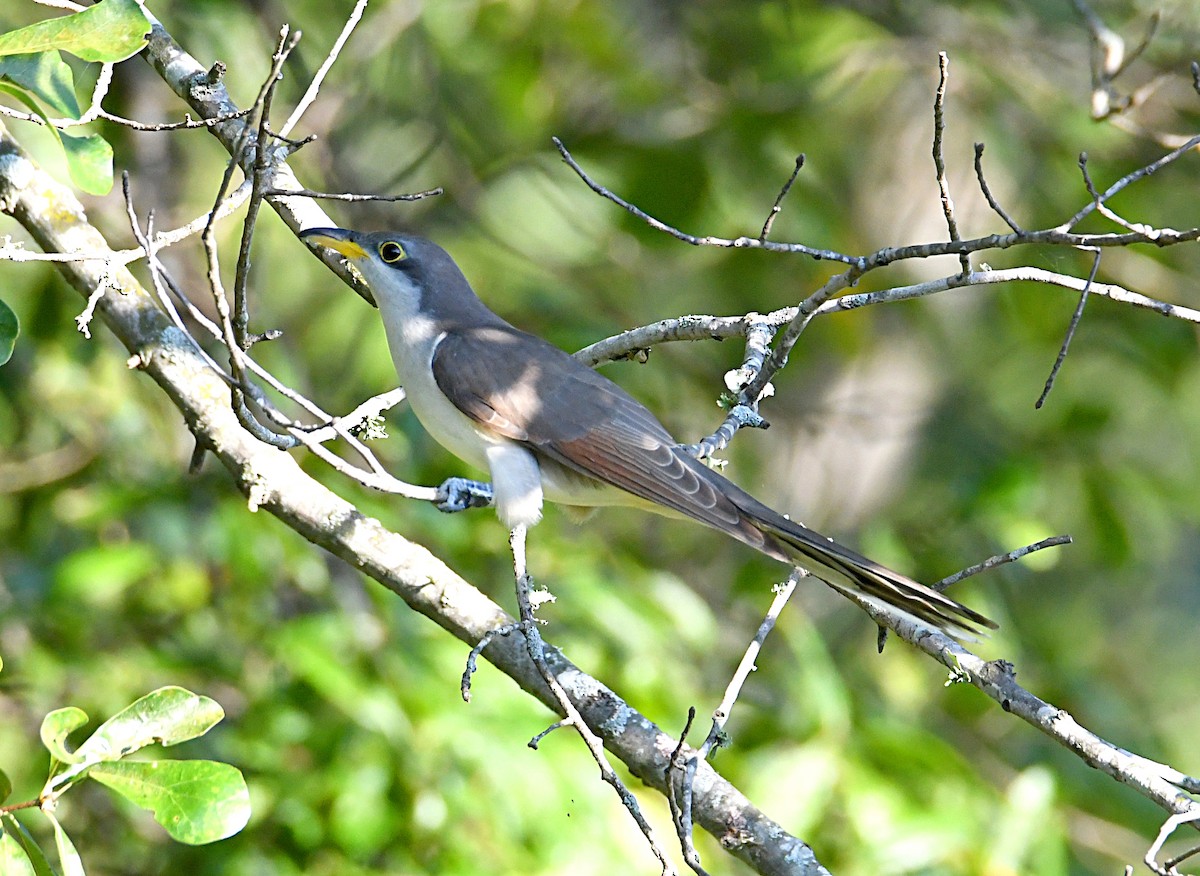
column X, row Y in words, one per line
column 392, row 252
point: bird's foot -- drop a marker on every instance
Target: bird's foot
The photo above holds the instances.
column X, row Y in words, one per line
column 459, row 494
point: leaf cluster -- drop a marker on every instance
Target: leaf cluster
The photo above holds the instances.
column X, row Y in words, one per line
column 196, row 801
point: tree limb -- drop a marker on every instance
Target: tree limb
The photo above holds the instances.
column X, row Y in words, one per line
column 274, row 482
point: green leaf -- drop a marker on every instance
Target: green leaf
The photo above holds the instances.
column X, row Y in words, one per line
column 89, row 159
column 197, row 801
column 5, row 786
column 46, row 75
column 13, row 860
column 35, row 858
column 57, row 726
column 169, row 715
column 68, row 859
column 112, row 30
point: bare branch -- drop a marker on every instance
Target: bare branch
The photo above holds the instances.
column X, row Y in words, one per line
column 537, row 653
column 1102, row 208
column 1110, row 291
column 689, row 238
column 1130, row 178
column 1000, row 560
column 629, row 343
column 277, row 485
column 350, row 197
column 681, row 772
column 939, row 163
column 987, row 192
column 759, row 331
column 778, row 205
column 1071, row 327
column 273, row 482
column 314, row 87
column 260, row 173
column 1168, row 828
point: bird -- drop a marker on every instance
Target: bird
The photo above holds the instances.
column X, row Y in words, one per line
column 548, row 428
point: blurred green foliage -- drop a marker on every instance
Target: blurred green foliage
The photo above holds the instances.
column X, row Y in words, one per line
column 907, row 430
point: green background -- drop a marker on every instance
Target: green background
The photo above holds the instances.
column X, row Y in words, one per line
column 907, row 430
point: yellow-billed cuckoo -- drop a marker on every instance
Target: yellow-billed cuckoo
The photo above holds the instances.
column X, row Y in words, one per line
column 544, row 425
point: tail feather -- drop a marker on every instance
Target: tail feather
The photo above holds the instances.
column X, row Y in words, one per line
column 880, row 584
column 792, row 542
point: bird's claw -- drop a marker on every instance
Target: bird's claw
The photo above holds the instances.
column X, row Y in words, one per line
column 459, row 494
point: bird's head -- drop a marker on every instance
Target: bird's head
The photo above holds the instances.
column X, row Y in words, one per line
column 407, row 275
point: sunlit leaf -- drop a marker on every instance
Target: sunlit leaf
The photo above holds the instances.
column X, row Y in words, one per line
column 10, row 327
column 47, row 76
column 68, row 859
column 113, row 30
column 57, row 726
column 13, row 860
column 34, row 856
column 89, row 158
column 197, row 801
column 90, row 162
column 168, row 716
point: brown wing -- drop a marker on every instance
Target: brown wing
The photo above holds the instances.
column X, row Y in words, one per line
column 524, row 388
column 519, row 386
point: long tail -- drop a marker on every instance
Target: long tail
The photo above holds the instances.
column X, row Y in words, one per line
column 792, row 542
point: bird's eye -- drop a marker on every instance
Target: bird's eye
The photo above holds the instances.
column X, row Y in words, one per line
column 392, row 252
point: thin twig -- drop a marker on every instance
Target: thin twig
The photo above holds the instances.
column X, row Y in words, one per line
column 1169, row 826
column 679, row 775
column 234, row 324
column 783, row 592
column 557, row 725
column 681, row 809
column 1000, row 560
column 778, row 205
column 939, row 162
column 314, row 87
column 1110, row 291
column 187, row 124
column 759, row 332
column 1172, row 863
column 473, row 657
column 261, row 169
column 311, row 437
column 1109, row 60
column 156, row 278
column 537, row 653
column 806, row 310
column 718, row 328
column 1071, row 327
column 1102, row 208
column 349, row 196
column 691, row 238
column 1130, row 178
column 987, row 192
column 99, row 92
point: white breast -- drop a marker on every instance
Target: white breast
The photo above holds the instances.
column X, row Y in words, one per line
column 517, row 478
column 413, row 344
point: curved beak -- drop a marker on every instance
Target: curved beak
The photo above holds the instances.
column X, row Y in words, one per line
column 344, row 243
column 340, row 240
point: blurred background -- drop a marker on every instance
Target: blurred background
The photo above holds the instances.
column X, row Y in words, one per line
column 906, row 430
